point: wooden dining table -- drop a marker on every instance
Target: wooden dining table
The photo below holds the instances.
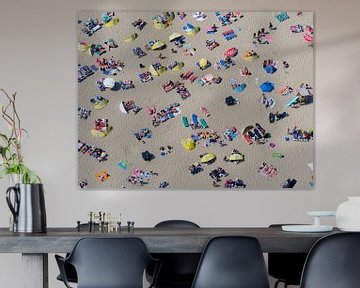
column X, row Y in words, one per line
column 35, row 247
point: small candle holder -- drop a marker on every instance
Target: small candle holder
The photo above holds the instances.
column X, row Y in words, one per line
column 78, row 226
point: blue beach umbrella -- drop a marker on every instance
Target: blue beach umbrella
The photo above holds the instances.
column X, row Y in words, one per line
column 270, row 69
column 240, row 88
column 194, row 119
column 267, row 87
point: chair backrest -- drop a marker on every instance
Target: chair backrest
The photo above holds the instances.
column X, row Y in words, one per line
column 110, row 262
column 286, row 267
column 333, row 262
column 232, row 262
column 176, row 224
column 178, row 266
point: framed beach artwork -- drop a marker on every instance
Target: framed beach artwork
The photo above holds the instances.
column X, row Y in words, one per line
column 195, row 100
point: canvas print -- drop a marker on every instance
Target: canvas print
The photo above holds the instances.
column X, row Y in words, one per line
column 195, row 100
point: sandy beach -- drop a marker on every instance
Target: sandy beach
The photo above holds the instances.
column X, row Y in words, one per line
column 121, row 144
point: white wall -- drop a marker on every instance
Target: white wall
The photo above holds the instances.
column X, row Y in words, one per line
column 38, row 60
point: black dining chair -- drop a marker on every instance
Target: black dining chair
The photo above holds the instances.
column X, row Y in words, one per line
column 232, row 262
column 333, row 262
column 286, row 267
column 108, row 263
column 70, row 271
column 178, row 269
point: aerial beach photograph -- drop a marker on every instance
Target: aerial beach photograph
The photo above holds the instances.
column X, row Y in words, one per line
column 195, row 100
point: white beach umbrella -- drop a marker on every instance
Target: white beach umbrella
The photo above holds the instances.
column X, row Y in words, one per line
column 122, row 108
column 109, row 83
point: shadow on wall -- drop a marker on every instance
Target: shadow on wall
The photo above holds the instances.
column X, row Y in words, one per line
column 328, row 43
column 347, row 38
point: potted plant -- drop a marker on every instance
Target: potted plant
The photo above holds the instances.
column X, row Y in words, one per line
column 25, row 197
column 12, row 161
